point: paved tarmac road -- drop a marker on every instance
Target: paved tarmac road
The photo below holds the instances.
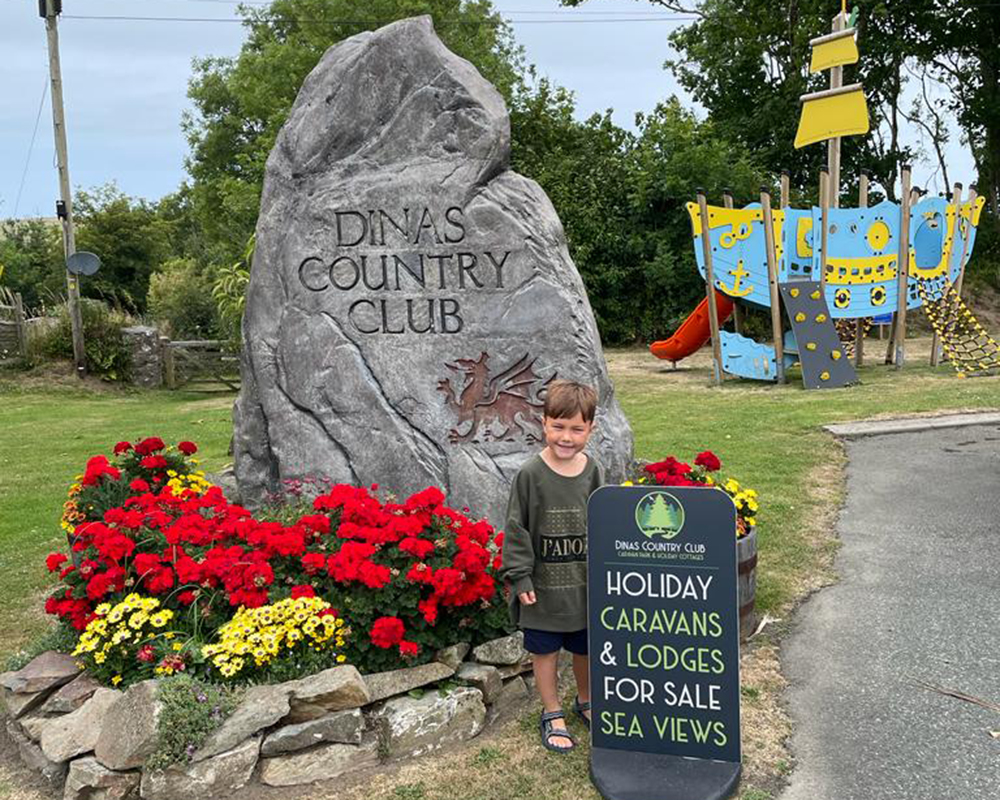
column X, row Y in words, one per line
column 918, row 600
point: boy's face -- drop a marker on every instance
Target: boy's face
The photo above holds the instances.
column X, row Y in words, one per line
column 565, row 437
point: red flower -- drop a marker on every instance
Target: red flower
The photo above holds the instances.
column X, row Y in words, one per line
column 96, row 467
column 418, row 548
column 387, row 632
column 302, row 591
column 122, row 447
column 153, row 462
column 139, row 485
column 708, row 460
column 313, row 563
column 53, row 561
column 186, row 598
column 146, row 654
column 150, row 445
column 188, row 448
column 408, row 649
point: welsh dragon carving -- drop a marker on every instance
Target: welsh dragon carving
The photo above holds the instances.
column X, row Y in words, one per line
column 495, row 408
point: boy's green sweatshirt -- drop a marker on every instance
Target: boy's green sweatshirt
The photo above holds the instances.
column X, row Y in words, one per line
column 545, row 545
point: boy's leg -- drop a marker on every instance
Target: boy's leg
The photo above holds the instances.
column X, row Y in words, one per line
column 581, row 671
column 546, row 666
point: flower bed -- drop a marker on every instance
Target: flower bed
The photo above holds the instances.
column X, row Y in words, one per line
column 336, row 618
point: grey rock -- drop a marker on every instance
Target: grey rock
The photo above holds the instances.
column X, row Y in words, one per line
column 32, row 725
column 333, row 689
column 396, row 154
column 71, row 696
column 399, row 681
column 484, row 677
column 44, row 672
column 17, row 705
column 512, row 670
column 143, row 343
column 75, row 733
column 344, row 727
column 318, row 764
column 413, row 727
column 31, row 755
column 88, row 780
column 261, row 707
column 130, row 730
column 513, row 698
column 505, row 650
column 452, row 656
column 211, row 779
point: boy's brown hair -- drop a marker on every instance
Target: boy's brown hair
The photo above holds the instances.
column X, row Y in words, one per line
column 565, row 399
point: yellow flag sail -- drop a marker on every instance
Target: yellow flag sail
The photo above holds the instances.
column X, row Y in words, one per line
column 836, row 112
column 833, row 50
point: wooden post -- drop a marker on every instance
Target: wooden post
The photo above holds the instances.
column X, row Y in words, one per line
column 973, row 194
column 19, row 327
column 738, row 311
column 903, row 268
column 859, row 325
column 785, row 181
column 956, row 199
column 824, row 204
column 833, row 145
column 169, row 366
column 713, row 314
column 772, row 280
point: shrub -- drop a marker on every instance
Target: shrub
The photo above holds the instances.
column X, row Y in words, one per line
column 180, row 300
column 192, row 711
column 107, row 353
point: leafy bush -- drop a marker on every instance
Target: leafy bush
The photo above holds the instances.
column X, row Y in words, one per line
column 192, row 711
column 180, row 299
column 106, row 350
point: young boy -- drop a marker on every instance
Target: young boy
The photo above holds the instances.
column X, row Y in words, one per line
column 545, row 552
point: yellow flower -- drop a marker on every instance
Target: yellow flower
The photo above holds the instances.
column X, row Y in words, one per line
column 177, row 646
column 752, row 504
column 751, row 520
column 628, row 483
column 116, row 680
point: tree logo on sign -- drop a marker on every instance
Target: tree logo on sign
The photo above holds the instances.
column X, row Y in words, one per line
column 659, row 514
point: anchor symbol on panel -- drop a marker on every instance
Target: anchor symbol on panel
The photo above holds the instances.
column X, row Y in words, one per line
column 738, row 275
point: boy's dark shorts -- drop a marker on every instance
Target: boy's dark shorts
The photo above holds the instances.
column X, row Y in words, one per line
column 541, row 643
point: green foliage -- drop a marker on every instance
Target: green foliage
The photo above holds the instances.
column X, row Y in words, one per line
column 181, row 299
column 106, row 351
column 230, row 292
column 31, row 260
column 129, row 237
column 410, row 791
column 61, row 638
column 192, row 711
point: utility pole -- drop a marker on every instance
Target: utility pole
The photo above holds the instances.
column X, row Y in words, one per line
column 50, row 10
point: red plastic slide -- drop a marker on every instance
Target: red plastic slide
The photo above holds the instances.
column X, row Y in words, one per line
column 694, row 331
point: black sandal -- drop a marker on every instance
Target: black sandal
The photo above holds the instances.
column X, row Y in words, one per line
column 579, row 708
column 548, row 731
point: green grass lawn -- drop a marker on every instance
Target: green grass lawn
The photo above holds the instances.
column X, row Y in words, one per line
column 768, row 437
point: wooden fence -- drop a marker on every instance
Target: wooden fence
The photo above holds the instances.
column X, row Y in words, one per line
column 199, row 365
column 13, row 332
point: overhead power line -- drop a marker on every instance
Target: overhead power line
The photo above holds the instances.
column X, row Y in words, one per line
column 240, row 21
column 31, row 147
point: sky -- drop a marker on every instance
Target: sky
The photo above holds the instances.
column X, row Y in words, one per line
column 125, row 83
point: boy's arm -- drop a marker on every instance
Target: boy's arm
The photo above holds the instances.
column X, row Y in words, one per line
column 518, row 558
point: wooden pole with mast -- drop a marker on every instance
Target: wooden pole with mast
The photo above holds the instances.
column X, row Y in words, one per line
column 738, row 311
column 903, row 270
column 859, row 325
column 956, row 200
column 51, row 9
column 767, row 218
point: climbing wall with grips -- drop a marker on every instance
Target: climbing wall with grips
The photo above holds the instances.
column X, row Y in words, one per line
column 824, row 365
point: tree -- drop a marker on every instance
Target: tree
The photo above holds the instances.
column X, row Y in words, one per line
column 31, row 255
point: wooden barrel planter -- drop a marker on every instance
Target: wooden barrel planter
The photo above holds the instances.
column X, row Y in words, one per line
column 746, row 577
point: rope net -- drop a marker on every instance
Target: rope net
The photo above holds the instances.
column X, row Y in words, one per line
column 967, row 345
column 847, row 329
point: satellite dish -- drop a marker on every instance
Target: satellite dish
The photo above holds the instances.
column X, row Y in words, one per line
column 83, row 263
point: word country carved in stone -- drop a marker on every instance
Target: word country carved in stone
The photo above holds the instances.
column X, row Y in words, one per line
column 496, row 408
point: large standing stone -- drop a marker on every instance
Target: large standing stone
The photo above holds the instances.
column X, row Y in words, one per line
column 386, row 684
column 412, row 727
column 410, row 297
column 130, row 729
column 318, row 764
column 211, row 779
column 78, row 732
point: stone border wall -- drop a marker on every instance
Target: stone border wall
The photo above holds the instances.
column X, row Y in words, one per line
column 90, row 742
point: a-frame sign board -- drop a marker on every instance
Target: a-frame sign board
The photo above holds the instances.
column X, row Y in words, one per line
column 664, row 643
